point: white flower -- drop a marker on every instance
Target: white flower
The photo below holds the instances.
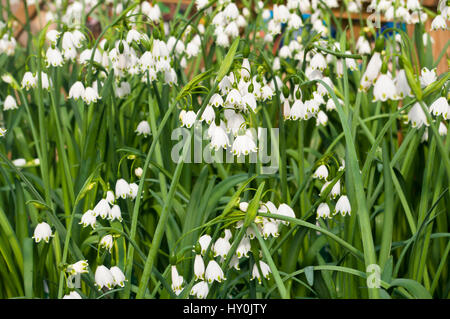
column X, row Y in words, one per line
column 138, row 172
column 88, row 218
column 110, row 197
column 102, row 209
column 200, row 289
column 231, row 11
column 80, row 267
column 221, row 247
column 343, row 206
column 439, row 23
column 77, row 38
column 29, row 81
column 104, row 278
column 90, row 95
column 76, row 91
column 322, row 118
column 177, row 280
column 216, row 100
column 115, row 213
column 363, row 45
column 199, row 267
column 208, row 114
column 287, row 211
column 402, row 85
column 192, row 49
column 321, row 172
column 123, row 90
column 318, row 62
column 9, row 103
column 42, row 232
column 204, row 242
column 440, row 107
column 72, row 295
column 234, row 98
column 298, row 110
column 133, row 190
column 187, row 118
column 265, row 270
column 442, row 129
column 323, row 211
column 427, row 77
column 243, row 145
column 122, row 188
column 119, row 277
column 20, row 162
column 243, row 247
column 2, row 131
column 52, row 36
column 143, row 128
column 54, row 57
column 214, row 272
column 107, row 242
column 417, row 117
column 219, row 138
column 270, row 229
column 372, row 71
column 384, row 89
column 235, row 121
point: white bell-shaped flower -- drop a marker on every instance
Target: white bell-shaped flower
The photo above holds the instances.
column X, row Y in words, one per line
column 199, row 267
column 102, row 208
column 104, row 278
column 143, row 128
column 200, row 290
column 9, row 103
column 88, row 219
column 343, row 206
column 122, row 188
column 214, row 272
column 321, row 172
column 42, row 232
column 323, row 211
column 265, row 270
column 119, row 277
column 440, row 107
column 76, row 91
column 204, row 242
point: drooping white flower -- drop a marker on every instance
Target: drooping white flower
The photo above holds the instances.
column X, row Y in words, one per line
column 133, row 190
column 29, row 81
column 88, row 218
column 20, row 162
column 199, row 267
column 119, row 277
column 265, row 270
column 402, row 85
column 104, row 278
column 439, row 23
column 427, row 77
column 9, row 103
column 214, row 272
column 440, row 107
column 243, row 145
column 107, row 242
column 72, row 295
column 177, row 280
column 143, row 128
column 323, row 211
column 318, row 62
column 343, row 206
column 187, row 119
column 372, row 71
column 52, row 36
column 322, row 118
column 285, row 210
column 270, row 229
column 208, row 114
column 110, row 197
column 200, row 290
column 384, row 89
column 90, row 95
column 363, row 45
column 54, row 57
column 42, row 232
column 138, row 172
column 221, row 247
column 219, row 138
column 76, row 90
column 417, row 117
column 442, row 129
column 2, row 132
column 122, row 188
column 80, row 267
column 321, row 172
column 243, row 247
column 102, row 209
column 204, row 242
column 115, row 213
